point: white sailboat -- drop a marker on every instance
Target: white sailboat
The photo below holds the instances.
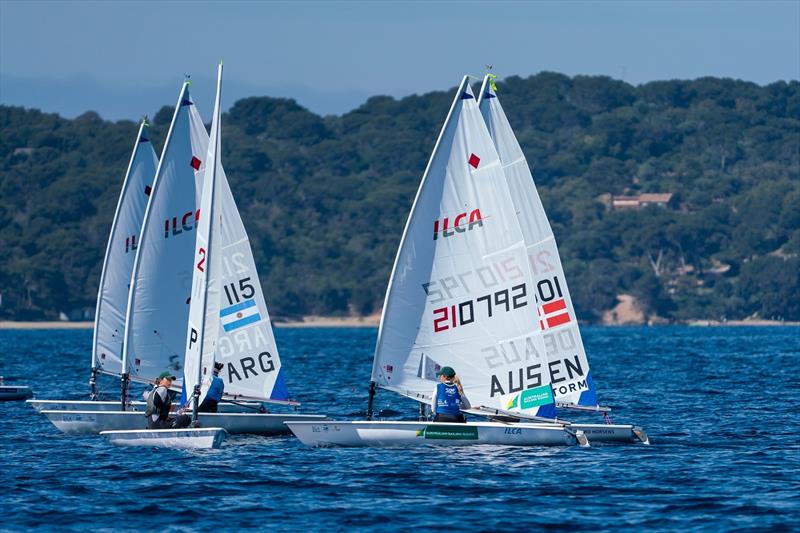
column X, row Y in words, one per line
column 187, row 438
column 203, row 328
column 112, row 295
column 567, row 362
column 460, row 295
column 161, row 297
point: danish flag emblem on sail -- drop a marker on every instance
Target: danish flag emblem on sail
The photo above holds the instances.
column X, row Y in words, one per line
column 553, row 314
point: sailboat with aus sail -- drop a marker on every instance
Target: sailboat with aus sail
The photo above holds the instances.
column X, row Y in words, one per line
column 460, row 295
column 568, row 364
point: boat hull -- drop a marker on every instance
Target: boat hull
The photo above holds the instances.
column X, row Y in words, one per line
column 185, row 439
column 12, row 393
column 90, row 405
column 318, row 434
column 612, row 433
column 93, row 422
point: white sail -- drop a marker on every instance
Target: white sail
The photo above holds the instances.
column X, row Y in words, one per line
column 201, row 337
column 161, row 285
column 230, row 319
column 158, row 303
column 245, row 341
column 460, row 290
column 112, row 296
column 568, row 365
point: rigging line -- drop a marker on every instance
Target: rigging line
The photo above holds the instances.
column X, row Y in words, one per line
column 259, row 409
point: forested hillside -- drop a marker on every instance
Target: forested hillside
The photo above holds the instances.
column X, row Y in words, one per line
column 325, row 199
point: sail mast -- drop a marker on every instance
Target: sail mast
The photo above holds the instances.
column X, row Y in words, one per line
column 205, row 260
column 375, row 359
column 125, row 376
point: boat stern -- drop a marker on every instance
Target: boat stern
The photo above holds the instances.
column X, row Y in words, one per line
column 182, row 439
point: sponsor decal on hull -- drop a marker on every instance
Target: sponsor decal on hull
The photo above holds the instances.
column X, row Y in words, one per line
column 449, row 433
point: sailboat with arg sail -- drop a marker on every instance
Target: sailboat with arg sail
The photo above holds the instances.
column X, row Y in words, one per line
column 112, row 295
column 460, row 295
column 567, row 363
column 161, row 296
column 202, row 335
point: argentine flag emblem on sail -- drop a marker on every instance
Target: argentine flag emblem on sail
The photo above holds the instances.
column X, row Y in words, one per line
column 239, row 315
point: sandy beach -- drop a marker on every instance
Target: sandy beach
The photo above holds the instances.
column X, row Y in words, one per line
column 313, row 321
column 371, row 321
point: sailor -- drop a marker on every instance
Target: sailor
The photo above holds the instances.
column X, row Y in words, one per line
column 214, row 393
column 448, row 397
column 159, row 404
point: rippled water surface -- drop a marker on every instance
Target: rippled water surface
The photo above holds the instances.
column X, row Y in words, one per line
column 720, row 405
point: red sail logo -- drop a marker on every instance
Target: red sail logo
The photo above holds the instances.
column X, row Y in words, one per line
column 181, row 224
column 461, row 223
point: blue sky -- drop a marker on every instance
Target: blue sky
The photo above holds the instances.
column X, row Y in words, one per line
column 124, row 59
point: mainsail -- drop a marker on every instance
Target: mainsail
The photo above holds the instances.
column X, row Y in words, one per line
column 158, row 303
column 245, row 343
column 112, row 296
column 161, row 289
column 460, row 293
column 201, row 338
column 228, row 315
column 568, row 366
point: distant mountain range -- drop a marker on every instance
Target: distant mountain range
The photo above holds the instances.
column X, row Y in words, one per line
column 325, row 199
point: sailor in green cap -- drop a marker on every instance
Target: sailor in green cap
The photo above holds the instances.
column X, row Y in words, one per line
column 159, row 405
column 448, row 397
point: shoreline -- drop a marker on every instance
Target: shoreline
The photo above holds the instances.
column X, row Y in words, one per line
column 372, row 321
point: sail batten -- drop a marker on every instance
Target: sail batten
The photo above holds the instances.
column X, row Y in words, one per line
column 572, row 382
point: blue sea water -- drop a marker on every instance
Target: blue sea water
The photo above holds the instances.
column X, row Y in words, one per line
column 720, row 405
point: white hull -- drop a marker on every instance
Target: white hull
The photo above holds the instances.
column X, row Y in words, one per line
column 89, row 405
column 186, row 439
column 14, row 393
column 82, row 405
column 387, row 433
column 93, row 422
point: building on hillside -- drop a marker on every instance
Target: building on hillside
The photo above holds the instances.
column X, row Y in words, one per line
column 641, row 200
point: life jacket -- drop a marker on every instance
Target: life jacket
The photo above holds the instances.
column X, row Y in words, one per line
column 153, row 409
column 215, row 389
column 448, row 399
